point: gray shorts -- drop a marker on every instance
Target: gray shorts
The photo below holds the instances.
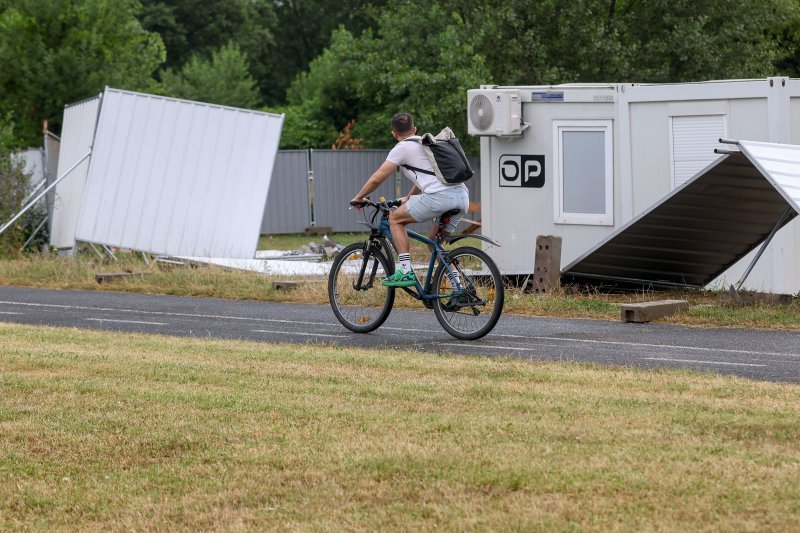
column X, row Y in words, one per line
column 424, row 207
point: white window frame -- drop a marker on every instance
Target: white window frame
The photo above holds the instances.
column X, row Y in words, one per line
column 589, row 219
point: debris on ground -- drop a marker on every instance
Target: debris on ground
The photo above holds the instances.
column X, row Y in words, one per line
column 313, row 259
column 327, row 248
column 111, row 276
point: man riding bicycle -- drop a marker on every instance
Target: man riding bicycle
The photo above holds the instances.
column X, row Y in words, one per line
column 427, row 199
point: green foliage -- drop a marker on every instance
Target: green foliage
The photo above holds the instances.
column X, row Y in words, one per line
column 303, row 31
column 423, row 58
column 423, row 69
column 222, row 80
column 6, row 135
column 365, row 60
column 549, row 41
column 13, row 189
column 788, row 39
column 196, row 29
column 53, row 52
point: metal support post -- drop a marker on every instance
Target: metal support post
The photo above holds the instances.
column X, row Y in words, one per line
column 35, row 189
column 35, row 232
column 93, row 248
column 734, row 291
column 312, row 217
column 39, row 196
column 108, row 252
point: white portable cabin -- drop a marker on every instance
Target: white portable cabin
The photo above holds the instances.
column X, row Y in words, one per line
column 581, row 160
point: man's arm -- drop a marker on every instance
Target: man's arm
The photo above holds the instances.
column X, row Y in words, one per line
column 374, row 181
column 414, row 190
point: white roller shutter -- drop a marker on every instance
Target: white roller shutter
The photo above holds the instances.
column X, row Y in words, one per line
column 693, row 141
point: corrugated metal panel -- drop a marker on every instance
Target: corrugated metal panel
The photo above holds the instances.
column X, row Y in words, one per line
column 288, row 203
column 33, row 164
column 694, row 139
column 338, row 176
column 177, row 177
column 52, row 147
column 780, row 163
column 77, row 135
column 703, row 227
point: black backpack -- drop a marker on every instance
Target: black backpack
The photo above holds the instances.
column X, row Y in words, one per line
column 450, row 164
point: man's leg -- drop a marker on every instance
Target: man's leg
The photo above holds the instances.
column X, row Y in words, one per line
column 397, row 224
column 403, row 276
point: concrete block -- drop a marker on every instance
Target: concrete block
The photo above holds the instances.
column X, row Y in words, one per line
column 288, row 285
column 111, row 276
column 648, row 311
column 285, row 285
column 755, row 298
column 547, row 264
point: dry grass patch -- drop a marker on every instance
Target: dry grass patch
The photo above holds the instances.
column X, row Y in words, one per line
column 119, row 431
column 45, row 271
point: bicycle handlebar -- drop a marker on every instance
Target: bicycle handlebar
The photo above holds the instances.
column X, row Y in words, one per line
column 382, row 204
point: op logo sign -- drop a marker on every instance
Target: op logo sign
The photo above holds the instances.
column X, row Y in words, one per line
column 522, row 171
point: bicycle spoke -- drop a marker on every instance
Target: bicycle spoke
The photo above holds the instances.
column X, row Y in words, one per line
column 474, row 311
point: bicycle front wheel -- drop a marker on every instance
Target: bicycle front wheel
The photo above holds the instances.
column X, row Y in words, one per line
column 357, row 297
column 473, row 313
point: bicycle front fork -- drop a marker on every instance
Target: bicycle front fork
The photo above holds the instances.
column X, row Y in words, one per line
column 359, row 284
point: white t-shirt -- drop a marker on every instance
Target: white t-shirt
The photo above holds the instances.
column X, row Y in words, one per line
column 410, row 152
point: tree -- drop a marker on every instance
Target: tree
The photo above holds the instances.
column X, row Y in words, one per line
column 551, row 41
column 196, row 29
column 302, row 32
column 423, row 69
column 53, row 52
column 14, row 185
column 222, row 80
column 788, row 39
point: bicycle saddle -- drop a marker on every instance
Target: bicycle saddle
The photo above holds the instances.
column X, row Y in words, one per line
column 448, row 214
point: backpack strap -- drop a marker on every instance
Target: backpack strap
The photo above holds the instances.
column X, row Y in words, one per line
column 416, row 169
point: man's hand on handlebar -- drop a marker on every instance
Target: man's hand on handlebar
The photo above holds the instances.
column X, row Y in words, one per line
column 358, row 203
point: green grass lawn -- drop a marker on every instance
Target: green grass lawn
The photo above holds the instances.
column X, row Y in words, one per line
column 293, row 241
column 113, row 431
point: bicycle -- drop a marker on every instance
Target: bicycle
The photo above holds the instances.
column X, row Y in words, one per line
column 465, row 290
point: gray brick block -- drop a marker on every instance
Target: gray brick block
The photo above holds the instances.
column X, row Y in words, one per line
column 649, row 311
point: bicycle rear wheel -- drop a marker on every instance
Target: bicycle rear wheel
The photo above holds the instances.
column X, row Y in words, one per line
column 357, row 297
column 474, row 313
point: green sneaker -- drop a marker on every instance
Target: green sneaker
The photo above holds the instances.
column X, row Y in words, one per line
column 398, row 279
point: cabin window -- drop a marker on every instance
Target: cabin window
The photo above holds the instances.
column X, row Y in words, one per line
column 693, row 139
column 584, row 174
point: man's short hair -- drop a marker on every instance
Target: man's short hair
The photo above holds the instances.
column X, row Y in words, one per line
column 402, row 123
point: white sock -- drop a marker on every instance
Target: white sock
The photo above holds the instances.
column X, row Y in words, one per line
column 405, row 262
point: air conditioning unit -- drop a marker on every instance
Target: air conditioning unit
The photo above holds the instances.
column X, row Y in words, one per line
column 494, row 112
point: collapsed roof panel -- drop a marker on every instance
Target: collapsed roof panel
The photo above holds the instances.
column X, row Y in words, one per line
column 704, row 226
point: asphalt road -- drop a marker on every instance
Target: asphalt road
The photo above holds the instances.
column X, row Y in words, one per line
column 755, row 354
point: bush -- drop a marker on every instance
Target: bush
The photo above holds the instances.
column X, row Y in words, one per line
column 14, row 187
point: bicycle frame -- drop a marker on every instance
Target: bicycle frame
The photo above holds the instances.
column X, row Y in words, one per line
column 383, row 234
